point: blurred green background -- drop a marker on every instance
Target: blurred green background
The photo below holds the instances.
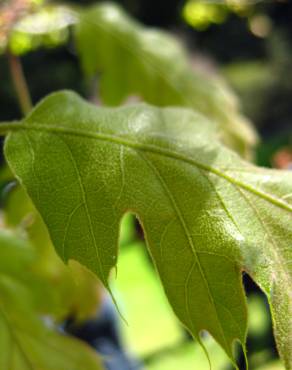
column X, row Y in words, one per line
column 250, row 44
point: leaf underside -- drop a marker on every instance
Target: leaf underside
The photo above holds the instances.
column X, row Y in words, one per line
column 207, row 215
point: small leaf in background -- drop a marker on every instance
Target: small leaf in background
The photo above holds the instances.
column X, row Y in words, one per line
column 26, row 25
column 48, row 27
column 207, row 215
column 10, row 13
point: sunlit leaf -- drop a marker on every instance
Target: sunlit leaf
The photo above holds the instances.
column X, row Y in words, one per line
column 207, row 215
column 46, row 27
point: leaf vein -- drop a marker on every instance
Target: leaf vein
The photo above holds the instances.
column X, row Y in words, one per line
column 159, row 151
column 85, row 202
column 189, row 238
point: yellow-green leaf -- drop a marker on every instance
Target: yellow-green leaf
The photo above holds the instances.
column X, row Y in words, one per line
column 207, row 215
column 26, row 341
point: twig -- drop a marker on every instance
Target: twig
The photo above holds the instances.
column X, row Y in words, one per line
column 19, row 82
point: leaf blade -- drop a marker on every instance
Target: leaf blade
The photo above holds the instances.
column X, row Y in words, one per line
column 186, row 180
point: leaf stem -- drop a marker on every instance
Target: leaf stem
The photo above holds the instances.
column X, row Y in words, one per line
column 19, row 82
column 6, row 127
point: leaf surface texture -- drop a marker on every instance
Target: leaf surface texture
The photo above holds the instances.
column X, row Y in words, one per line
column 207, row 215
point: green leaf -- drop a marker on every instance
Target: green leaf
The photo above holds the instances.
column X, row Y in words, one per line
column 26, row 342
column 207, row 215
column 134, row 60
column 16, row 256
column 70, row 290
column 18, row 261
column 48, row 26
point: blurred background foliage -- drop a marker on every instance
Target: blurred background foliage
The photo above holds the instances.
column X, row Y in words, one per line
column 247, row 42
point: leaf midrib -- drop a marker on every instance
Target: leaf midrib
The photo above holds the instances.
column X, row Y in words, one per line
column 156, row 150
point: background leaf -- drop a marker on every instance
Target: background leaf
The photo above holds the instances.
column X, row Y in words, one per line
column 135, row 61
column 207, row 215
column 71, row 290
column 27, row 341
column 36, row 25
